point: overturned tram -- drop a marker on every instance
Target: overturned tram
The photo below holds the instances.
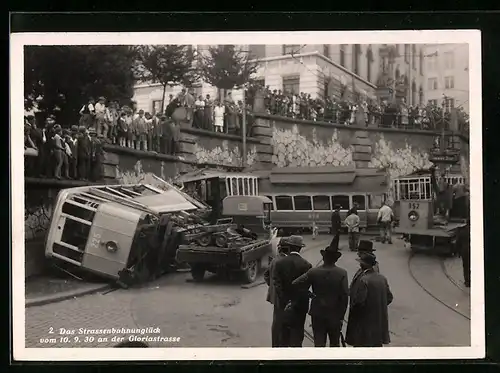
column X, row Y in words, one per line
column 126, row 233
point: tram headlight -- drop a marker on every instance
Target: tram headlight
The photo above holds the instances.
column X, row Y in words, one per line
column 111, row 246
column 413, row 216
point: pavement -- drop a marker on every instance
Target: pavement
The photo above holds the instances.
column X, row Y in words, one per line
column 217, row 313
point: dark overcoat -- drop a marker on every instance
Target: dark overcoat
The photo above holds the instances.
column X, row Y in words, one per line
column 368, row 323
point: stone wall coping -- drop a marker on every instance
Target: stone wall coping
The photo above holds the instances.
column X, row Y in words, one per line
column 162, row 157
column 353, row 128
column 218, row 135
column 64, row 183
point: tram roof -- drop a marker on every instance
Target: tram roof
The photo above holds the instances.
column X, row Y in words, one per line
column 320, row 175
column 210, row 174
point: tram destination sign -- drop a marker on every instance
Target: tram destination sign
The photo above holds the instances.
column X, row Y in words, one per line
column 444, row 158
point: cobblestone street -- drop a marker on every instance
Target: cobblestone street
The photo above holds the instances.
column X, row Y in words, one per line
column 216, row 313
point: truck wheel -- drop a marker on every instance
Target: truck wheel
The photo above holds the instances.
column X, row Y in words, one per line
column 251, row 271
column 198, row 272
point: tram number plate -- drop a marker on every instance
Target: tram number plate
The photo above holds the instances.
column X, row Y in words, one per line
column 242, row 207
column 413, row 205
column 96, row 240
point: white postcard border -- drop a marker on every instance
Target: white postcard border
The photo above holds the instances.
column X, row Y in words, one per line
column 472, row 37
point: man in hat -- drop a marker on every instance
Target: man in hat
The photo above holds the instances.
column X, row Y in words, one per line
column 352, row 223
column 385, row 218
column 330, row 297
column 276, row 327
column 365, row 247
column 368, row 323
column 291, row 302
column 336, row 225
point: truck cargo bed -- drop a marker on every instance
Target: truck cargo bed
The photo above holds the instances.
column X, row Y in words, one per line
column 232, row 256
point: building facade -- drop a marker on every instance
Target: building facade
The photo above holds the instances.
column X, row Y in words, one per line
column 315, row 69
column 447, row 80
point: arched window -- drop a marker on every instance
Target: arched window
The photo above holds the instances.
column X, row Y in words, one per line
column 356, row 51
column 398, row 74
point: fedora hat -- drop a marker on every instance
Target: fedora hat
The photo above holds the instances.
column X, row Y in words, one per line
column 367, row 258
column 294, row 241
column 365, row 246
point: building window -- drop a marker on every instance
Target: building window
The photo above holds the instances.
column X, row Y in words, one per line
column 449, row 60
column 398, row 49
column 257, row 51
column 156, row 106
column 449, row 82
column 342, row 55
column 326, row 50
column 407, row 53
column 449, row 103
column 421, row 63
column 290, row 49
column 432, row 84
column 432, row 62
column 421, row 96
column 369, row 61
column 291, row 84
column 414, row 93
column 432, row 102
column 414, row 57
column 356, row 50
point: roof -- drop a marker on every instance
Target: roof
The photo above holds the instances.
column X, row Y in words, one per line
column 320, row 175
column 264, row 199
column 169, row 201
column 209, row 174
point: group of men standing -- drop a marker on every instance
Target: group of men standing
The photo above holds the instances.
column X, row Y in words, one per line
column 75, row 153
column 290, row 277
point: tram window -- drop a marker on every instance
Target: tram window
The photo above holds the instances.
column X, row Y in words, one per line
column 250, row 187
column 321, row 203
column 240, row 186
column 302, row 203
column 78, row 212
column 75, row 233
column 284, row 203
column 224, row 192
column 234, row 184
column 360, row 201
column 271, row 198
column 343, row 201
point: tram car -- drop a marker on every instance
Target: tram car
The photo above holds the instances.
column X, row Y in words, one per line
column 302, row 198
column 427, row 212
column 305, row 197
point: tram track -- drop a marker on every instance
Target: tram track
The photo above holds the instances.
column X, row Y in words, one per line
column 451, row 279
column 426, row 290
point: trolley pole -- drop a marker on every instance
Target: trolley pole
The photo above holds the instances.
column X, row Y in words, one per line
column 244, row 130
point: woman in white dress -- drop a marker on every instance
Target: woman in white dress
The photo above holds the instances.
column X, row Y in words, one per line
column 219, row 111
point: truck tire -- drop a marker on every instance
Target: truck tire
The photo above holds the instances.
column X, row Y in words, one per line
column 197, row 272
column 251, row 271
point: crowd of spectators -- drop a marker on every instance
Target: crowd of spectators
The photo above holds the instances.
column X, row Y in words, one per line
column 76, row 151
column 359, row 112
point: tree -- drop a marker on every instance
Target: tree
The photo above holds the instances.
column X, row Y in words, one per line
column 62, row 78
column 169, row 65
column 226, row 67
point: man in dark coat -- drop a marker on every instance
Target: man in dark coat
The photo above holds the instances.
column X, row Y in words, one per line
column 84, row 151
column 368, row 323
column 366, row 246
column 292, row 302
column 463, row 249
column 330, row 297
column 97, row 145
column 276, row 327
column 336, row 225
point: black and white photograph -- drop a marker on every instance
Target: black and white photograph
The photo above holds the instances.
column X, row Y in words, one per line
column 196, row 191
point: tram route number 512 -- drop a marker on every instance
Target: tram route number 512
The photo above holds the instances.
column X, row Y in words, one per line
column 413, row 205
